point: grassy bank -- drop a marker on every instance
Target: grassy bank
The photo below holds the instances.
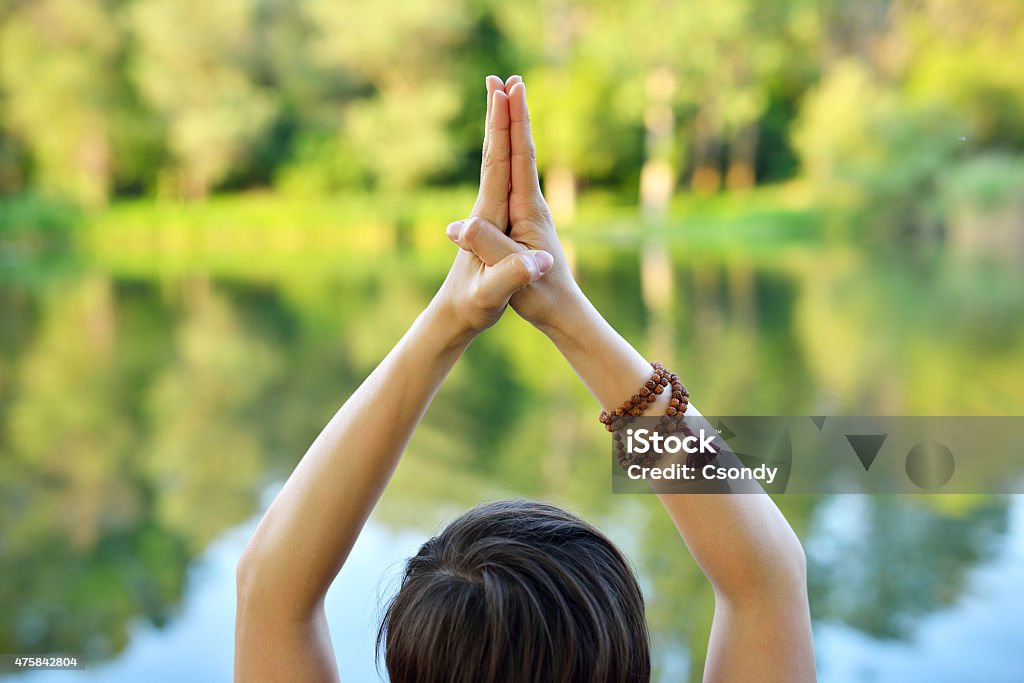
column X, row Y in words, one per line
column 255, row 233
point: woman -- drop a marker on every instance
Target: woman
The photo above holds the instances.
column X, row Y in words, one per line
column 516, row 591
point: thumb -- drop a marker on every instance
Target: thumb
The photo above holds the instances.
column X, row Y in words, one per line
column 512, row 273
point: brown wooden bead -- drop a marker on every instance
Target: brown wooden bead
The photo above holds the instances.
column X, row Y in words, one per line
column 661, row 378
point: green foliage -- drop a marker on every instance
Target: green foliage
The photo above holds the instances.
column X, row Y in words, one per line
column 321, row 164
column 403, row 53
column 59, row 74
column 30, row 212
column 938, row 84
column 192, row 65
column 865, row 146
column 181, row 99
column 967, row 55
column 986, row 184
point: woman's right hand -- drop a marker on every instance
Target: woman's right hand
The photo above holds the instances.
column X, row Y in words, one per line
column 510, row 171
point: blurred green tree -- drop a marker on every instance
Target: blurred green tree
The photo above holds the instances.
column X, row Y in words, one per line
column 403, row 53
column 64, row 96
column 911, row 88
column 866, row 147
column 194, row 65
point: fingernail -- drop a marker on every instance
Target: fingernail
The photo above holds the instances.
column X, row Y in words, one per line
column 453, row 230
column 544, row 261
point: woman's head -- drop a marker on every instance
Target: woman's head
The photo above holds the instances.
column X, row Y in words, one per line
column 517, row 591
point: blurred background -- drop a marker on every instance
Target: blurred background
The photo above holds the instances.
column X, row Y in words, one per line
column 216, row 217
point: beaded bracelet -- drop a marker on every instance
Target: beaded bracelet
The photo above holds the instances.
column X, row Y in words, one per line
column 671, row 422
column 639, row 402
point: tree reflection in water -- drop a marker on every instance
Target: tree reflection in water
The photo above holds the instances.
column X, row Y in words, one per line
column 141, row 417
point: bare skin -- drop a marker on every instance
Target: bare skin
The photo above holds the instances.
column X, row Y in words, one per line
column 744, row 545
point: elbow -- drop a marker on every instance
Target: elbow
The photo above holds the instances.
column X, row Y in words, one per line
column 797, row 561
column 784, row 570
column 262, row 592
column 787, row 581
column 248, row 572
column 244, row 576
column 777, row 573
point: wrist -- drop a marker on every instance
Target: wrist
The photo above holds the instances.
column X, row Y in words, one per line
column 450, row 328
column 569, row 309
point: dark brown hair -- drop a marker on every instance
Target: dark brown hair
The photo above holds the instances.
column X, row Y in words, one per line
column 517, row 592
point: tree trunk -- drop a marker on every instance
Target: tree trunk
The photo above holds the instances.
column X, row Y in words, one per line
column 93, row 161
column 707, row 152
column 742, row 158
column 657, row 177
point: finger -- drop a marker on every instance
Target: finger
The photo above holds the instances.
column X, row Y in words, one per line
column 495, row 173
column 512, row 80
column 492, row 83
column 509, row 275
column 484, row 239
column 524, row 154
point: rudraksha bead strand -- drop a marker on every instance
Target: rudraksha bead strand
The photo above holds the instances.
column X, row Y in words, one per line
column 640, row 401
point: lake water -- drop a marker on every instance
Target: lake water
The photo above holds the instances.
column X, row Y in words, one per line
column 149, row 410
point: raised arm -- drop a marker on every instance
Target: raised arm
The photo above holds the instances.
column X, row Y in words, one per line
column 742, row 542
column 307, row 533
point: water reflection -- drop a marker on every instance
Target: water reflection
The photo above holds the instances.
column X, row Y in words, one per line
column 143, row 416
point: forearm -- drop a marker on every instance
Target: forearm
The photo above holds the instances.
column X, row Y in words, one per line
column 742, row 542
column 605, row 362
column 310, row 528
